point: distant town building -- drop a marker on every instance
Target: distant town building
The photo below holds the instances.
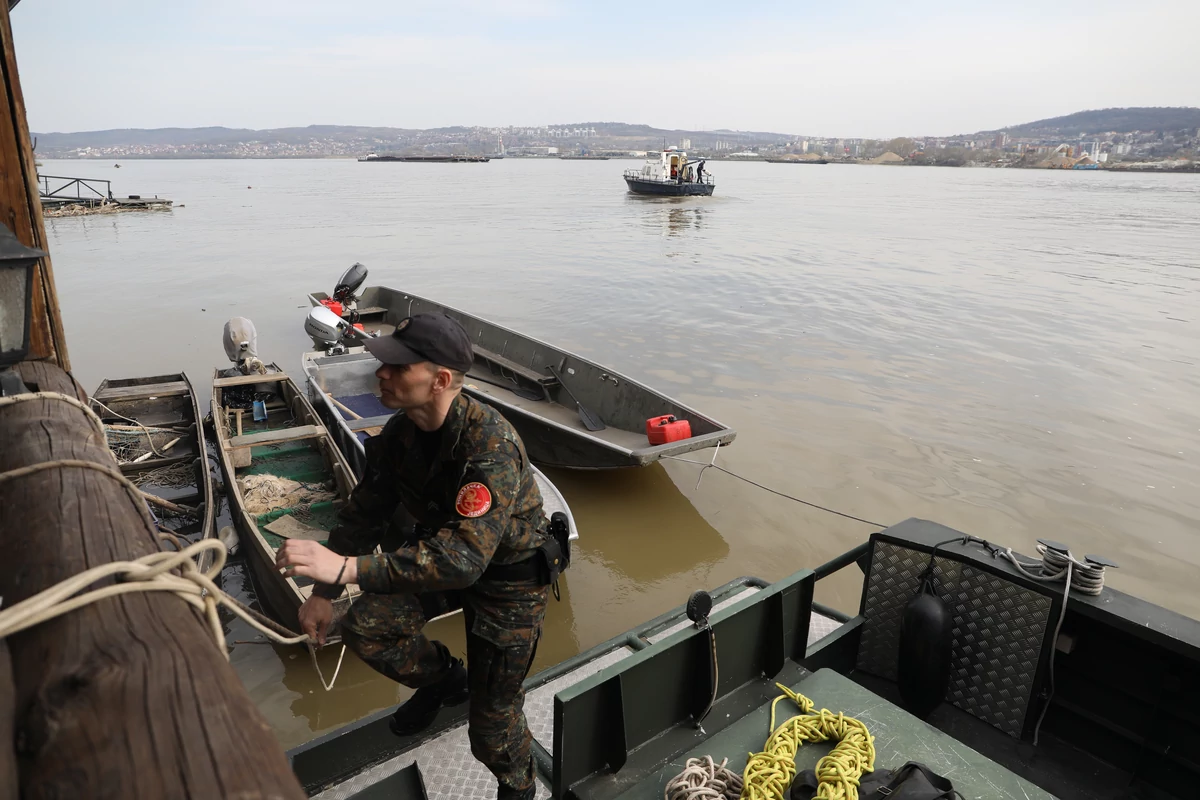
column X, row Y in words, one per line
column 685, row 144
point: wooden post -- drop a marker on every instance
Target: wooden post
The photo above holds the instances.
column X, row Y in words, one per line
column 130, row 696
column 8, row 748
column 21, row 206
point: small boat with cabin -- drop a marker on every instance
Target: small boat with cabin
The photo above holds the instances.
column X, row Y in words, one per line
column 671, row 175
column 156, row 433
column 569, row 411
column 284, row 475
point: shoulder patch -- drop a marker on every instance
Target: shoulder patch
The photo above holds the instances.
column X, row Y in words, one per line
column 474, row 499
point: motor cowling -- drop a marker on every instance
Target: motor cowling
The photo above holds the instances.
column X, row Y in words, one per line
column 349, row 283
column 325, row 327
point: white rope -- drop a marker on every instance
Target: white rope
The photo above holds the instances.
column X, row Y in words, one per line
column 149, row 436
column 1055, row 566
column 149, row 573
column 702, row 779
column 25, row 398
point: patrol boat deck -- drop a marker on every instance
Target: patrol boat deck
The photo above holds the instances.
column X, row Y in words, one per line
column 1106, row 678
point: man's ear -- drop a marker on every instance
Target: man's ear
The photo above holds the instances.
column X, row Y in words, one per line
column 443, row 379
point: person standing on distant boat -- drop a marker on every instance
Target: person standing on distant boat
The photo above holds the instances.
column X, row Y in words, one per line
column 700, row 172
column 449, row 495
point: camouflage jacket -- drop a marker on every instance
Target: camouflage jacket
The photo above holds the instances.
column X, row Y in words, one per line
column 478, row 503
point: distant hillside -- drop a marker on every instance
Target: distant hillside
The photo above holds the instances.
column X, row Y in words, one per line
column 183, row 137
column 177, row 137
column 1115, row 120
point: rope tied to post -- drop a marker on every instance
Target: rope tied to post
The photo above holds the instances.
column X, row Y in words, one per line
column 769, row 774
column 176, row 572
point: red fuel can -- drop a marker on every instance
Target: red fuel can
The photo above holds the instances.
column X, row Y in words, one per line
column 332, row 305
column 660, row 430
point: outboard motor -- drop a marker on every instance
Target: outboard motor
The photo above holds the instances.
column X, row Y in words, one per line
column 344, row 292
column 240, row 340
column 326, row 329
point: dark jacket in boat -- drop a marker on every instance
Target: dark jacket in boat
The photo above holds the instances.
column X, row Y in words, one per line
column 442, row 506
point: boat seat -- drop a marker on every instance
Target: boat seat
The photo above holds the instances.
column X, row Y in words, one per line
column 242, row 380
column 507, row 364
column 277, row 436
column 169, row 389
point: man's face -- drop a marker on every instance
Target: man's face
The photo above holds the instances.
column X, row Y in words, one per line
column 405, row 386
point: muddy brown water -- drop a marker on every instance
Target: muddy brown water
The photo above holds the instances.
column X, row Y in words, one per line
column 1011, row 353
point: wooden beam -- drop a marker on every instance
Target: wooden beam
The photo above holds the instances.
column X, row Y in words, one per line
column 127, row 697
column 369, row 423
column 120, row 393
column 21, row 207
column 277, row 436
column 242, row 380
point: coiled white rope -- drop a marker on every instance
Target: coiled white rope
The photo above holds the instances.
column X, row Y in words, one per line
column 1057, row 565
column 1082, row 576
column 703, row 779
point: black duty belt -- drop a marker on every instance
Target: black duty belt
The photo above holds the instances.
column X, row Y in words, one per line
column 526, row 570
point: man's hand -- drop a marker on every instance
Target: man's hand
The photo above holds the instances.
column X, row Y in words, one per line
column 315, row 617
column 312, row 560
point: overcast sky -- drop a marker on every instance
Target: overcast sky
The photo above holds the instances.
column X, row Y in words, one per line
column 878, row 70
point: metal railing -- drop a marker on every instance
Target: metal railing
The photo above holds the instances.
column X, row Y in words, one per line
column 86, row 189
column 638, row 175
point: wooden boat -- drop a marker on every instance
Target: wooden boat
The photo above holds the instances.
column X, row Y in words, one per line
column 1047, row 693
column 513, row 372
column 156, row 433
column 343, row 388
column 284, row 476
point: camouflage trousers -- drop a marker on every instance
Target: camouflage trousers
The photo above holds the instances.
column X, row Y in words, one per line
column 503, row 625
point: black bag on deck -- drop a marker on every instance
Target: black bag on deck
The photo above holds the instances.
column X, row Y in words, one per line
column 913, row 781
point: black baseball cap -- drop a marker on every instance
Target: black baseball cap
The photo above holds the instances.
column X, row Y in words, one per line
column 425, row 337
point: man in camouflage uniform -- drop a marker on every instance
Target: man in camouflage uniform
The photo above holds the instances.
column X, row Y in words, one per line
column 449, row 496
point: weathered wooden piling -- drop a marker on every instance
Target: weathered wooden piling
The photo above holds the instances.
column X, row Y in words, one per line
column 128, row 697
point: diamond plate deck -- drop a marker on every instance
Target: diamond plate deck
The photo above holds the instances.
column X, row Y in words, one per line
column 999, row 628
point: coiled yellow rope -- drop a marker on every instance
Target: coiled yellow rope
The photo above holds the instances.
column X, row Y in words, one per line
column 769, row 773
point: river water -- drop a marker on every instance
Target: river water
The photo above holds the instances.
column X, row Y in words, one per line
column 1011, row 353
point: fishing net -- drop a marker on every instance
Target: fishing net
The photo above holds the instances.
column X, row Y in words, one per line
column 263, row 493
column 174, row 476
column 128, row 446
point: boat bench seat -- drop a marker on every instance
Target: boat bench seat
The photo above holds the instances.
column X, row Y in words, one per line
column 507, row 364
column 168, row 389
column 277, row 436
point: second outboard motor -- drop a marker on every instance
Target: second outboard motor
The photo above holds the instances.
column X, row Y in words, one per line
column 349, row 283
column 240, row 340
column 926, row 641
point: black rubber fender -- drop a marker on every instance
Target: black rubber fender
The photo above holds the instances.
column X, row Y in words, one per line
column 923, row 663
